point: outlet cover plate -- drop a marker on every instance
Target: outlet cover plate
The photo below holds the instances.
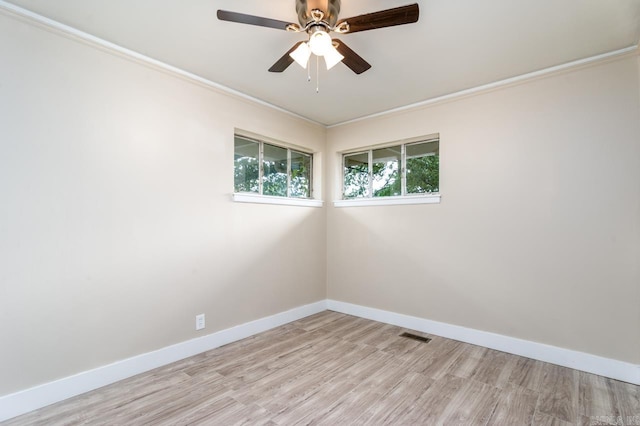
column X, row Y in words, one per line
column 199, row 322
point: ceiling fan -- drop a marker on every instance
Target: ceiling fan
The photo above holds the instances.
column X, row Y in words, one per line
column 320, row 17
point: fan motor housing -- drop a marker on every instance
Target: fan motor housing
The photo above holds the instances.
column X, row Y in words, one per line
column 331, row 9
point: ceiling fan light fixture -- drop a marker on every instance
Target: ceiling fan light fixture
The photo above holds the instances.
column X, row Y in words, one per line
column 332, row 57
column 318, row 18
column 320, row 43
column 301, row 55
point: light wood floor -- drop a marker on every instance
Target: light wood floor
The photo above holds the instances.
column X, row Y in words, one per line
column 334, row 369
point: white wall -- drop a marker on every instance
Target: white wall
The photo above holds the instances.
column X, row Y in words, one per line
column 116, row 225
column 538, row 232
column 116, row 220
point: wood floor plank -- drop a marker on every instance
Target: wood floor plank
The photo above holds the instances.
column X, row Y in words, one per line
column 383, row 336
column 394, row 405
column 249, row 348
column 316, row 404
column 527, row 373
column 275, row 348
column 347, row 409
column 360, row 336
column 103, row 401
column 466, row 363
column 628, row 401
column 166, row 403
column 541, row 419
column 335, row 369
column 348, row 326
column 494, row 368
column 443, row 358
column 597, row 396
column 264, row 371
column 430, row 407
column 316, row 374
column 473, row 404
column 207, row 413
column 319, row 320
column 516, row 406
column 559, row 393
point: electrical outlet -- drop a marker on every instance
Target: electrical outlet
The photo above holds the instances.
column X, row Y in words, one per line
column 199, row 322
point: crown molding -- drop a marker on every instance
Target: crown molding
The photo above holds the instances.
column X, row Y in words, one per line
column 67, row 31
column 10, row 9
column 546, row 72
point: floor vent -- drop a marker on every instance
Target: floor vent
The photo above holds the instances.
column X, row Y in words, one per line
column 416, row 337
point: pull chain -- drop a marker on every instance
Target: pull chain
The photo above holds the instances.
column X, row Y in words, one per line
column 317, row 74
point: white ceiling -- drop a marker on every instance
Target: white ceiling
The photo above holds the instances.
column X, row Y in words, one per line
column 456, row 45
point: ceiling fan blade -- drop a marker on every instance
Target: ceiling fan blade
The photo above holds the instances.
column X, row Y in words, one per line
column 241, row 18
column 351, row 58
column 286, row 60
column 384, row 18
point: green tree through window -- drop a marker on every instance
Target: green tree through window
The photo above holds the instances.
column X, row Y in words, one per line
column 423, row 167
column 300, row 175
column 356, row 175
column 386, row 171
column 246, row 166
column 268, row 169
column 393, row 171
column 274, row 180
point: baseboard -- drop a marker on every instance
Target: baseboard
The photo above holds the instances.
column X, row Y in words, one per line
column 40, row 396
column 607, row 367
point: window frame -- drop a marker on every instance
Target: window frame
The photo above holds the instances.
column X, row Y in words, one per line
column 404, row 198
column 259, row 197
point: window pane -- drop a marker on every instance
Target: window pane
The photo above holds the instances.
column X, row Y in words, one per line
column 300, row 175
column 386, row 171
column 356, row 175
column 423, row 167
column 246, row 165
column 274, row 180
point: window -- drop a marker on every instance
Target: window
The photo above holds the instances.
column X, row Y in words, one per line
column 400, row 170
column 265, row 169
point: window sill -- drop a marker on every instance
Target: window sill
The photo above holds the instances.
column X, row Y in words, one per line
column 389, row 201
column 282, row 201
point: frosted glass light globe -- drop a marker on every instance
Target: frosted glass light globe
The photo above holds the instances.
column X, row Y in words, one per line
column 320, row 43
